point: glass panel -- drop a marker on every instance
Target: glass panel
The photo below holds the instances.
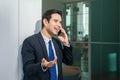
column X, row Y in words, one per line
column 79, row 69
column 77, row 21
column 104, row 60
column 77, row 27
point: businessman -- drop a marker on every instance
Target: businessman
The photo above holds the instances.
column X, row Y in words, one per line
column 43, row 53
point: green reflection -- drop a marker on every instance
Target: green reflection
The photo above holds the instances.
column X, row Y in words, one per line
column 112, row 61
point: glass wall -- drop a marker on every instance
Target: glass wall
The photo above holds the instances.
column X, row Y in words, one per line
column 104, row 59
column 105, row 40
column 76, row 15
column 77, row 21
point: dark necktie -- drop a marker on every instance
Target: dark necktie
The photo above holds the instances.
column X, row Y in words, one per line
column 53, row 75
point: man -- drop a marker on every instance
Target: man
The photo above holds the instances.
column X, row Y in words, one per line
column 36, row 50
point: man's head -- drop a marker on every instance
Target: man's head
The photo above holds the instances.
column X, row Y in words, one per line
column 48, row 13
column 51, row 21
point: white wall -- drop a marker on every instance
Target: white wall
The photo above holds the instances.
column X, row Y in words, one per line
column 8, row 39
column 17, row 21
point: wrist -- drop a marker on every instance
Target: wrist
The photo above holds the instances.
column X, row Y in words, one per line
column 44, row 68
column 66, row 44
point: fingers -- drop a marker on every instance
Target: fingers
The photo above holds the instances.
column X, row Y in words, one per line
column 52, row 63
column 43, row 60
column 46, row 63
column 55, row 60
column 62, row 30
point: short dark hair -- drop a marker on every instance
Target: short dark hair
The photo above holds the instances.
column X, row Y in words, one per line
column 48, row 13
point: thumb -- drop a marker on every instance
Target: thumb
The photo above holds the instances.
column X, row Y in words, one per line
column 55, row 60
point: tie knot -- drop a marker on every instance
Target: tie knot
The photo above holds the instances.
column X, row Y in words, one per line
column 50, row 42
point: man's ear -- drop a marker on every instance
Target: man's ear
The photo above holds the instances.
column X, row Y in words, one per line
column 45, row 21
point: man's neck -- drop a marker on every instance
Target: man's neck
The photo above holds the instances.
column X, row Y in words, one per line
column 44, row 32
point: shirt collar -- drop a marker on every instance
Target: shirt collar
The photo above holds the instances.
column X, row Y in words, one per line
column 46, row 39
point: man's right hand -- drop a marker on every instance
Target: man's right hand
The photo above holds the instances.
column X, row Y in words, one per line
column 48, row 64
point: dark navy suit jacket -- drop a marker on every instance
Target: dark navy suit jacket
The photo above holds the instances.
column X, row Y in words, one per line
column 34, row 50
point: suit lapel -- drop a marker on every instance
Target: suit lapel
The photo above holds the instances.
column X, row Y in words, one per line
column 42, row 43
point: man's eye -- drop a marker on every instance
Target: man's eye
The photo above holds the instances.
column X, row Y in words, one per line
column 60, row 22
column 56, row 20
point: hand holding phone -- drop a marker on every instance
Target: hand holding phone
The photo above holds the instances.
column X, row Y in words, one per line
column 62, row 36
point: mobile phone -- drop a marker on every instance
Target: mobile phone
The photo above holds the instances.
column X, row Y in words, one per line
column 59, row 32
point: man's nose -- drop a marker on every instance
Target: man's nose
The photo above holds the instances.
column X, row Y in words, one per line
column 59, row 25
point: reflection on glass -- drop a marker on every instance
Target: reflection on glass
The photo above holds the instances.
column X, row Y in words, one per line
column 77, row 27
column 77, row 21
column 112, row 62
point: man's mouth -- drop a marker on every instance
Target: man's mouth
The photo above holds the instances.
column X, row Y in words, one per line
column 56, row 30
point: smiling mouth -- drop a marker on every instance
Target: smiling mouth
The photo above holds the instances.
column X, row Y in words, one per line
column 57, row 30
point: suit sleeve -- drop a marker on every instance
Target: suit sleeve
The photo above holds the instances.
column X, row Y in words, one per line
column 67, row 55
column 30, row 67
